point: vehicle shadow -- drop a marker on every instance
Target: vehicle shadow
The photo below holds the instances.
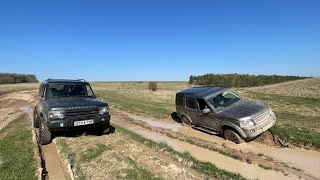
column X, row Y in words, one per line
column 81, row 132
column 175, row 117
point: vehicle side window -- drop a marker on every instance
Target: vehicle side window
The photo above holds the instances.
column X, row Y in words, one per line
column 179, row 100
column 41, row 90
column 190, row 103
column 202, row 104
column 89, row 91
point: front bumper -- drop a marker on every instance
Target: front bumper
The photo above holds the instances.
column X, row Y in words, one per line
column 68, row 124
column 258, row 129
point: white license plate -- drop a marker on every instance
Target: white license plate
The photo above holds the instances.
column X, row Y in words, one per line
column 81, row 123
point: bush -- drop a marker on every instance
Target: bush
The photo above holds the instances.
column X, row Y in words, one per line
column 153, row 86
column 10, row 78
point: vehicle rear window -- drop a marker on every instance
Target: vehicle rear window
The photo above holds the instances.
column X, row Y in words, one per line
column 179, row 100
column 191, row 103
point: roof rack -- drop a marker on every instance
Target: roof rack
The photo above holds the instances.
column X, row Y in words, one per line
column 82, row 80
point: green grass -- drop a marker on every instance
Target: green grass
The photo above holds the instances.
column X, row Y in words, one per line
column 135, row 104
column 210, row 170
column 298, row 121
column 17, row 158
column 298, row 136
column 94, row 152
column 138, row 172
column 71, row 157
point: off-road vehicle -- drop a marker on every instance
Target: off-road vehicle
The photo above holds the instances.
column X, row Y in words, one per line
column 218, row 110
column 64, row 105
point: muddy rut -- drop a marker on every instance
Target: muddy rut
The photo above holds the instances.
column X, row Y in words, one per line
column 13, row 104
column 307, row 161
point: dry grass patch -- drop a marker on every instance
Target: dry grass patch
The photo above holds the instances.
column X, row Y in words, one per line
column 8, row 88
column 308, row 88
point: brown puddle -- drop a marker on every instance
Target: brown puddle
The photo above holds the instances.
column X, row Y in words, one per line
column 154, row 123
column 224, row 162
column 306, row 160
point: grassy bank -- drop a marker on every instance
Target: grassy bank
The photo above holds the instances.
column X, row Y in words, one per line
column 127, row 155
column 17, row 159
column 210, row 170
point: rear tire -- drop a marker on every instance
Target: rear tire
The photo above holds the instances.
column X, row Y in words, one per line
column 231, row 135
column 186, row 121
column 44, row 134
column 35, row 121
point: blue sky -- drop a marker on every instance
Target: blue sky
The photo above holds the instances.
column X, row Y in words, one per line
column 115, row 40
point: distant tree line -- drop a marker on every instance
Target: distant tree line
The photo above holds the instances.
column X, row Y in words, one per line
column 240, row 80
column 11, row 78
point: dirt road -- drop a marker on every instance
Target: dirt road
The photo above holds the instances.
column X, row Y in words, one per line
column 268, row 162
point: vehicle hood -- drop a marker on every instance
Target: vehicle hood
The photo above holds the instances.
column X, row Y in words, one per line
column 74, row 102
column 243, row 108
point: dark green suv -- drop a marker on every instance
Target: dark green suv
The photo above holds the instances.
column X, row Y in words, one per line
column 64, row 105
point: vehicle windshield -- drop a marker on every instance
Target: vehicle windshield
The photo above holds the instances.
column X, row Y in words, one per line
column 57, row 90
column 223, row 100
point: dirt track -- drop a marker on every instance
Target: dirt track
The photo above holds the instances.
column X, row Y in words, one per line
column 297, row 162
column 13, row 104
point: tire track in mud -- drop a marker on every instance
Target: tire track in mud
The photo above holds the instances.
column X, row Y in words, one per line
column 51, row 165
column 221, row 161
column 302, row 162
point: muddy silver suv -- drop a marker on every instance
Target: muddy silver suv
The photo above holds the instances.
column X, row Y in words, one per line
column 219, row 110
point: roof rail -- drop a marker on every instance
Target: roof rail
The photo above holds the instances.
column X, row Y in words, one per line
column 82, row 80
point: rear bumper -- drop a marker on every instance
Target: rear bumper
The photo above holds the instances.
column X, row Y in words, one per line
column 68, row 124
column 260, row 128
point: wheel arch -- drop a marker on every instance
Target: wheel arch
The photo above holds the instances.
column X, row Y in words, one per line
column 237, row 129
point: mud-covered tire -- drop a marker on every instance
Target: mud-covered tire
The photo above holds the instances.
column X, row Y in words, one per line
column 233, row 136
column 44, row 134
column 103, row 129
column 185, row 121
column 35, row 120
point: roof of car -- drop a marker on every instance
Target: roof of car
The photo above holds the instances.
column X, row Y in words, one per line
column 201, row 91
column 64, row 81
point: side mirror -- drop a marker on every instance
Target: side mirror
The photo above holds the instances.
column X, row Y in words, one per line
column 206, row 110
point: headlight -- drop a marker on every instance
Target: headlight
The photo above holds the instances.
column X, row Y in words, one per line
column 104, row 110
column 56, row 114
column 246, row 122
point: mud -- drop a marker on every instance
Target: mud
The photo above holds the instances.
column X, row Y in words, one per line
column 247, row 170
column 299, row 159
column 154, row 123
column 11, row 106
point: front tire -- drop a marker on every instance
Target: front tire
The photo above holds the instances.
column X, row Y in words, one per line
column 231, row 135
column 35, row 121
column 44, row 134
column 186, row 121
column 103, row 129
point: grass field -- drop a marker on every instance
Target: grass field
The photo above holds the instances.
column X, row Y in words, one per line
column 296, row 104
column 8, row 88
column 17, row 158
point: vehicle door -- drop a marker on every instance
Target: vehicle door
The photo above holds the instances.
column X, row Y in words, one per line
column 208, row 120
column 190, row 108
